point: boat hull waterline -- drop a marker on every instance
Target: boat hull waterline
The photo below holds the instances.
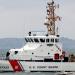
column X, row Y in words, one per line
column 15, row 65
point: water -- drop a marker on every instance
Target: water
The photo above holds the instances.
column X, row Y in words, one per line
column 30, row 73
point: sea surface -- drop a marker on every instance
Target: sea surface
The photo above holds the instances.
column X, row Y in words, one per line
column 25, row 73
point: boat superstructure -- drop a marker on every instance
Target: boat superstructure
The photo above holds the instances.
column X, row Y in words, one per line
column 41, row 47
column 41, row 52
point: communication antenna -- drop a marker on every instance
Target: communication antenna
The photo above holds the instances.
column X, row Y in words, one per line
column 51, row 18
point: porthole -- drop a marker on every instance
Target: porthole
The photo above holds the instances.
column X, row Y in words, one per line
column 16, row 52
column 32, row 53
column 48, row 53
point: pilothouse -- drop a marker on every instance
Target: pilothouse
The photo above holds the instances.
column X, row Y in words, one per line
column 44, row 47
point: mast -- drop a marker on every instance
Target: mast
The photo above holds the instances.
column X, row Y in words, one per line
column 51, row 18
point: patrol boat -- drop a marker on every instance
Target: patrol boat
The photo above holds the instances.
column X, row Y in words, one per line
column 42, row 52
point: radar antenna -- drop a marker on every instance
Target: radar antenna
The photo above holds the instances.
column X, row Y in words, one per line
column 51, row 18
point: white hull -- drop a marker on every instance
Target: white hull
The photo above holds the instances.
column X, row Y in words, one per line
column 13, row 65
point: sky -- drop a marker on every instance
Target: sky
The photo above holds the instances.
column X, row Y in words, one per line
column 18, row 17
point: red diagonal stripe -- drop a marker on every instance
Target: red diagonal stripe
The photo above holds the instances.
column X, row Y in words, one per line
column 15, row 65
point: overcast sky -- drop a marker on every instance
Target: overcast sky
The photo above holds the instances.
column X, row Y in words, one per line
column 17, row 17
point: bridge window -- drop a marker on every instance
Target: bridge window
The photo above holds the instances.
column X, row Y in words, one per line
column 42, row 40
column 31, row 40
column 26, row 40
column 47, row 40
column 36, row 40
column 52, row 40
column 56, row 40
